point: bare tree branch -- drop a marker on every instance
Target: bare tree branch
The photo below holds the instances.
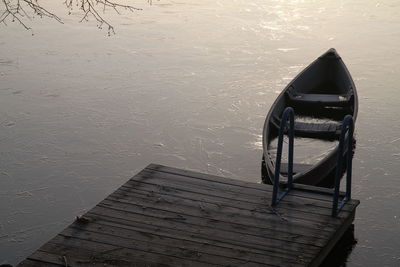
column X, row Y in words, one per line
column 18, row 10
column 13, row 11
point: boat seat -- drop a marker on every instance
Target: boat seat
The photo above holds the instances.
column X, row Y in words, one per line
column 313, row 130
column 318, row 130
column 323, row 112
column 297, row 168
column 321, row 99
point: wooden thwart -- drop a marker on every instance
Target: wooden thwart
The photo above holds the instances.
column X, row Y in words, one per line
column 170, row 217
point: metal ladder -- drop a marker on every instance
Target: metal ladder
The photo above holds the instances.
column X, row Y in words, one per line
column 346, row 135
column 347, row 129
column 288, row 113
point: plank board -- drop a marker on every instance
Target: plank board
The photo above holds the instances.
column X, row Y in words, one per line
column 165, row 216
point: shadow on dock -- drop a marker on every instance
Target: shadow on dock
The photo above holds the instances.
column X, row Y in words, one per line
column 340, row 253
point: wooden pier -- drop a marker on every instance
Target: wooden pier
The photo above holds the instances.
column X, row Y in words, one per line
column 170, row 217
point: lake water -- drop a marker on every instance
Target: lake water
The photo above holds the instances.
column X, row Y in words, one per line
column 186, row 84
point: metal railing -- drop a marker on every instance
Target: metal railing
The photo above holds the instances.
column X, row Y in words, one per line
column 347, row 129
column 288, row 113
column 345, row 136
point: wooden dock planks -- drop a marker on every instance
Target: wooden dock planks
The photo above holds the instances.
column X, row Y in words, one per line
column 170, row 217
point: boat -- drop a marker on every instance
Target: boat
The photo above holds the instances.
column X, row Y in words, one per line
column 321, row 96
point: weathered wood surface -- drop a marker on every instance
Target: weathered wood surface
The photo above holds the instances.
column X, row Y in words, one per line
column 170, row 217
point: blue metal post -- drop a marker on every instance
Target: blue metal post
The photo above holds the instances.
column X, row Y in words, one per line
column 347, row 127
column 288, row 113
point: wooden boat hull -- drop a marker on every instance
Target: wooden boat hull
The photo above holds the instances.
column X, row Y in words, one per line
column 323, row 90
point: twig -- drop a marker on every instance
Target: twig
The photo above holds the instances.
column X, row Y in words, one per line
column 17, row 11
column 89, row 8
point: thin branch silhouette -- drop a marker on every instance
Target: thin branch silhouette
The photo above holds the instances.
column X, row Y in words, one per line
column 23, row 10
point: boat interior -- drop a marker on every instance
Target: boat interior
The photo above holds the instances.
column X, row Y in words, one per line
column 321, row 96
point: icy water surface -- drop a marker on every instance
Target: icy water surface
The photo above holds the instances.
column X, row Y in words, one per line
column 186, row 84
